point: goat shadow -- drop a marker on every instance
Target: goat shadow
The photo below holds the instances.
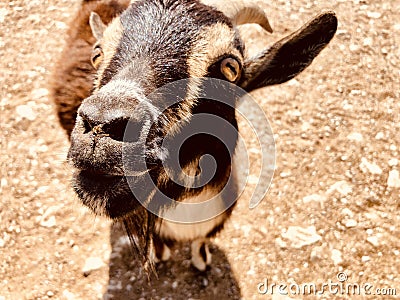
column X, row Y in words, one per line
column 175, row 279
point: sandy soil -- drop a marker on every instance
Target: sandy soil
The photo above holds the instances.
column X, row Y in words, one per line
column 332, row 207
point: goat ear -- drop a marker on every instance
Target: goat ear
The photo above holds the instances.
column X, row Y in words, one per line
column 97, row 25
column 291, row 55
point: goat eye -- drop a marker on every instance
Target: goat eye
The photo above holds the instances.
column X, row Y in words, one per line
column 97, row 54
column 230, row 68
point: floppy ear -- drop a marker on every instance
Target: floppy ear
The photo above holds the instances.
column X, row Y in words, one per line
column 97, row 25
column 291, row 55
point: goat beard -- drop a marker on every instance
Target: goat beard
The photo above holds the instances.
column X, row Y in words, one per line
column 140, row 227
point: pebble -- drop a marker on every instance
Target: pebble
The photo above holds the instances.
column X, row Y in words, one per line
column 336, row 256
column 355, row 136
column 175, row 284
column 379, row 135
column 347, row 212
column 314, row 197
column 61, row 25
column 373, row 240
column 365, row 258
column 39, row 93
column 280, row 243
column 342, row 187
column 374, row 14
column 316, row 254
column 204, row 282
column 3, row 14
column 354, row 47
column 48, row 222
column 284, row 174
column 393, row 162
column 26, row 112
column 252, row 179
column 367, row 41
column 301, row 236
column 372, row 168
column 92, row 264
column 350, row 223
column 47, row 219
column 393, row 179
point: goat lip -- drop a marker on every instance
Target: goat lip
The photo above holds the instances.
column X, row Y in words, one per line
column 105, row 195
column 99, row 176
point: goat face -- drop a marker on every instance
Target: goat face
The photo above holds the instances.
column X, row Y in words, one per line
column 154, row 43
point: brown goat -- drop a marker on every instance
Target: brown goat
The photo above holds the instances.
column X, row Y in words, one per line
column 117, row 119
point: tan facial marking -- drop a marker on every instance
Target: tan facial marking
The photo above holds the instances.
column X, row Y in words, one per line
column 109, row 43
column 213, row 41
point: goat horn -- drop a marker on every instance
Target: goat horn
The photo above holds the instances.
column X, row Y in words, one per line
column 241, row 12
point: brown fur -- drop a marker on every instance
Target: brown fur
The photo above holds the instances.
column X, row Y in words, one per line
column 73, row 75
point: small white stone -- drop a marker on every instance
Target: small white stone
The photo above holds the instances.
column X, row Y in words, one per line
column 347, row 212
column 39, row 93
column 365, row 258
column 373, row 240
column 284, row 174
column 314, row 198
column 92, row 264
column 355, row 136
column 48, row 222
column 2, row 243
column 336, row 256
column 354, row 47
column 394, row 179
column 342, row 187
column 379, row 135
column 367, row 41
column 393, row 162
column 374, row 14
column 26, row 112
column 175, row 284
column 61, row 25
column 280, row 243
column 301, row 236
column 316, row 254
column 68, row 295
column 372, row 168
column 253, row 179
column 3, row 14
column 350, row 223
column 204, row 282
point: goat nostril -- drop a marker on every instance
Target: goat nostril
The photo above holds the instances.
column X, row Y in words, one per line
column 87, row 126
column 123, row 130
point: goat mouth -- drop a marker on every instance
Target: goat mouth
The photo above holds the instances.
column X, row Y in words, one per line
column 105, row 194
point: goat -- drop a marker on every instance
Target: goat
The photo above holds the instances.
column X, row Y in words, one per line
column 135, row 49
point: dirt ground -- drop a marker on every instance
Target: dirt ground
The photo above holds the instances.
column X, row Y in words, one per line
column 333, row 206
